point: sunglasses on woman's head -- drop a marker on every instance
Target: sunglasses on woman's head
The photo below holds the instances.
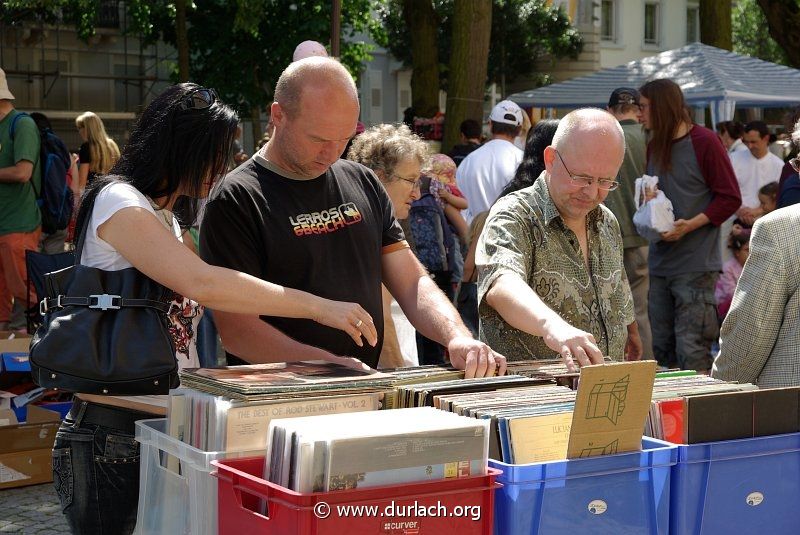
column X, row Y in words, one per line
column 198, row 99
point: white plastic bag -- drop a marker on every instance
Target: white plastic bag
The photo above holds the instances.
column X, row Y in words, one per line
column 654, row 216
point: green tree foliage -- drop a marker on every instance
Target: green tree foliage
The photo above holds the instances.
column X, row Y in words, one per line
column 751, row 34
column 243, row 59
column 147, row 18
column 239, row 47
column 522, row 31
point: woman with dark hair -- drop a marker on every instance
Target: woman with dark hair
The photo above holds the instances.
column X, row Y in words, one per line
column 181, row 144
column 532, row 163
column 695, row 173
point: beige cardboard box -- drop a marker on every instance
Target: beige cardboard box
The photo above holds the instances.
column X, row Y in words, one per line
column 611, row 408
column 18, row 344
column 25, row 449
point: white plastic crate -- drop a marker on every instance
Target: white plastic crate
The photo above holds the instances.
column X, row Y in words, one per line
column 173, row 503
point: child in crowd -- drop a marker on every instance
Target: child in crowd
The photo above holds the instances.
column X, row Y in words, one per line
column 731, row 271
column 768, row 197
column 442, row 169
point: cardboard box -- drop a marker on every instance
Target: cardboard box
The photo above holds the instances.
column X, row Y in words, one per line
column 26, row 449
column 611, row 408
column 25, row 468
column 20, row 343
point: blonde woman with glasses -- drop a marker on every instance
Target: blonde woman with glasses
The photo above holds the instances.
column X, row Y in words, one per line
column 98, row 153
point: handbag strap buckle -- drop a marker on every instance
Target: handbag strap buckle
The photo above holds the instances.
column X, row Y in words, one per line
column 104, row 302
column 48, row 303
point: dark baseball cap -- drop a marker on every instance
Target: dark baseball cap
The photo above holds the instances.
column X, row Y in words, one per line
column 623, row 95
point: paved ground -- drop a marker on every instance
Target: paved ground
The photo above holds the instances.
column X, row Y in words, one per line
column 31, row 510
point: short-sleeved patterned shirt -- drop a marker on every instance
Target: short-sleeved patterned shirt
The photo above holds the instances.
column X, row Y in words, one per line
column 525, row 235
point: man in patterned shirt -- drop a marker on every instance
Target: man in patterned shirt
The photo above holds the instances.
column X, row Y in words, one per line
column 551, row 275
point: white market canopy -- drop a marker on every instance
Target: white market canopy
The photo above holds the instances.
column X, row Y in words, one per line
column 707, row 75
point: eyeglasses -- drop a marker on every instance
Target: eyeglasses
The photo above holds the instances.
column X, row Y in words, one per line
column 198, row 99
column 586, row 181
column 795, row 163
column 415, row 183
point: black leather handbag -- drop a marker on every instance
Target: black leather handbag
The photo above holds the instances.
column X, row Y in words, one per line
column 104, row 332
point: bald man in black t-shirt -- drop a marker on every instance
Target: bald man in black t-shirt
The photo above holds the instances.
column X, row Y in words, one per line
column 296, row 215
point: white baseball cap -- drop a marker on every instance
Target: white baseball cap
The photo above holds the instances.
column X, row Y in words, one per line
column 506, row 112
column 5, row 94
column 307, row 49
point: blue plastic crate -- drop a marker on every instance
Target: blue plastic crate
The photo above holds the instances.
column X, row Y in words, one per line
column 611, row 494
column 751, row 485
column 14, row 361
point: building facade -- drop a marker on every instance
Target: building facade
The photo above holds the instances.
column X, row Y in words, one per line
column 50, row 70
column 634, row 29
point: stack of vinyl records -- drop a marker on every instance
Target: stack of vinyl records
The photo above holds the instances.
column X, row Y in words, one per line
column 416, row 375
column 423, row 394
column 554, row 368
column 696, row 408
column 368, row 449
column 305, row 378
column 229, row 409
column 534, row 419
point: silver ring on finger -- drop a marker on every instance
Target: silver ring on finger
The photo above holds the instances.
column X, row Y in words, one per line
column 358, row 324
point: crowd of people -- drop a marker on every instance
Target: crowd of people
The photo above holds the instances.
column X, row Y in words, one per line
column 356, row 246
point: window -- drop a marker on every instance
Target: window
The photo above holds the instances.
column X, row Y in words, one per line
column 608, row 22
column 651, row 24
column 692, row 24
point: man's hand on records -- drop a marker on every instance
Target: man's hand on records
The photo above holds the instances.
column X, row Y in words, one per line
column 348, row 317
column 475, row 358
column 576, row 347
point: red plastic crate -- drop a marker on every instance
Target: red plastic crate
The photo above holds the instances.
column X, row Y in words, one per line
column 241, row 489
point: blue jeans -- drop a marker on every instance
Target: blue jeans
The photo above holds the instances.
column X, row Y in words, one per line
column 96, row 474
column 683, row 319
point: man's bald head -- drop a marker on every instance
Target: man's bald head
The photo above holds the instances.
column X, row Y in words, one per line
column 316, row 73
column 589, row 128
column 588, row 148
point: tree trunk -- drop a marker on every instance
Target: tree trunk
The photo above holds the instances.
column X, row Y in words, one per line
column 466, row 82
column 783, row 18
column 422, row 21
column 182, row 40
column 716, row 27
